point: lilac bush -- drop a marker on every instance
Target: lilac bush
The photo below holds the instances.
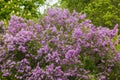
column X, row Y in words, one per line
column 60, row 46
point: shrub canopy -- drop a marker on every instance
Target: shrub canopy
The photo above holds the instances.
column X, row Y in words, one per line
column 61, row 46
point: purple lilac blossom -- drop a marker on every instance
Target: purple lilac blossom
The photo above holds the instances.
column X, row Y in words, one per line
column 57, row 47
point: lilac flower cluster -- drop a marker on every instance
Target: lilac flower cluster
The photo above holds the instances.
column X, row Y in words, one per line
column 59, row 47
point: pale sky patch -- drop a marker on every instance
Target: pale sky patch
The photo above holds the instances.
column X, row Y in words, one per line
column 47, row 4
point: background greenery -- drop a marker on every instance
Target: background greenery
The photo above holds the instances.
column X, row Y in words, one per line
column 25, row 8
column 101, row 12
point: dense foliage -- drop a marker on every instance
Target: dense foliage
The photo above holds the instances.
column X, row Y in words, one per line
column 61, row 46
column 23, row 8
column 100, row 12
